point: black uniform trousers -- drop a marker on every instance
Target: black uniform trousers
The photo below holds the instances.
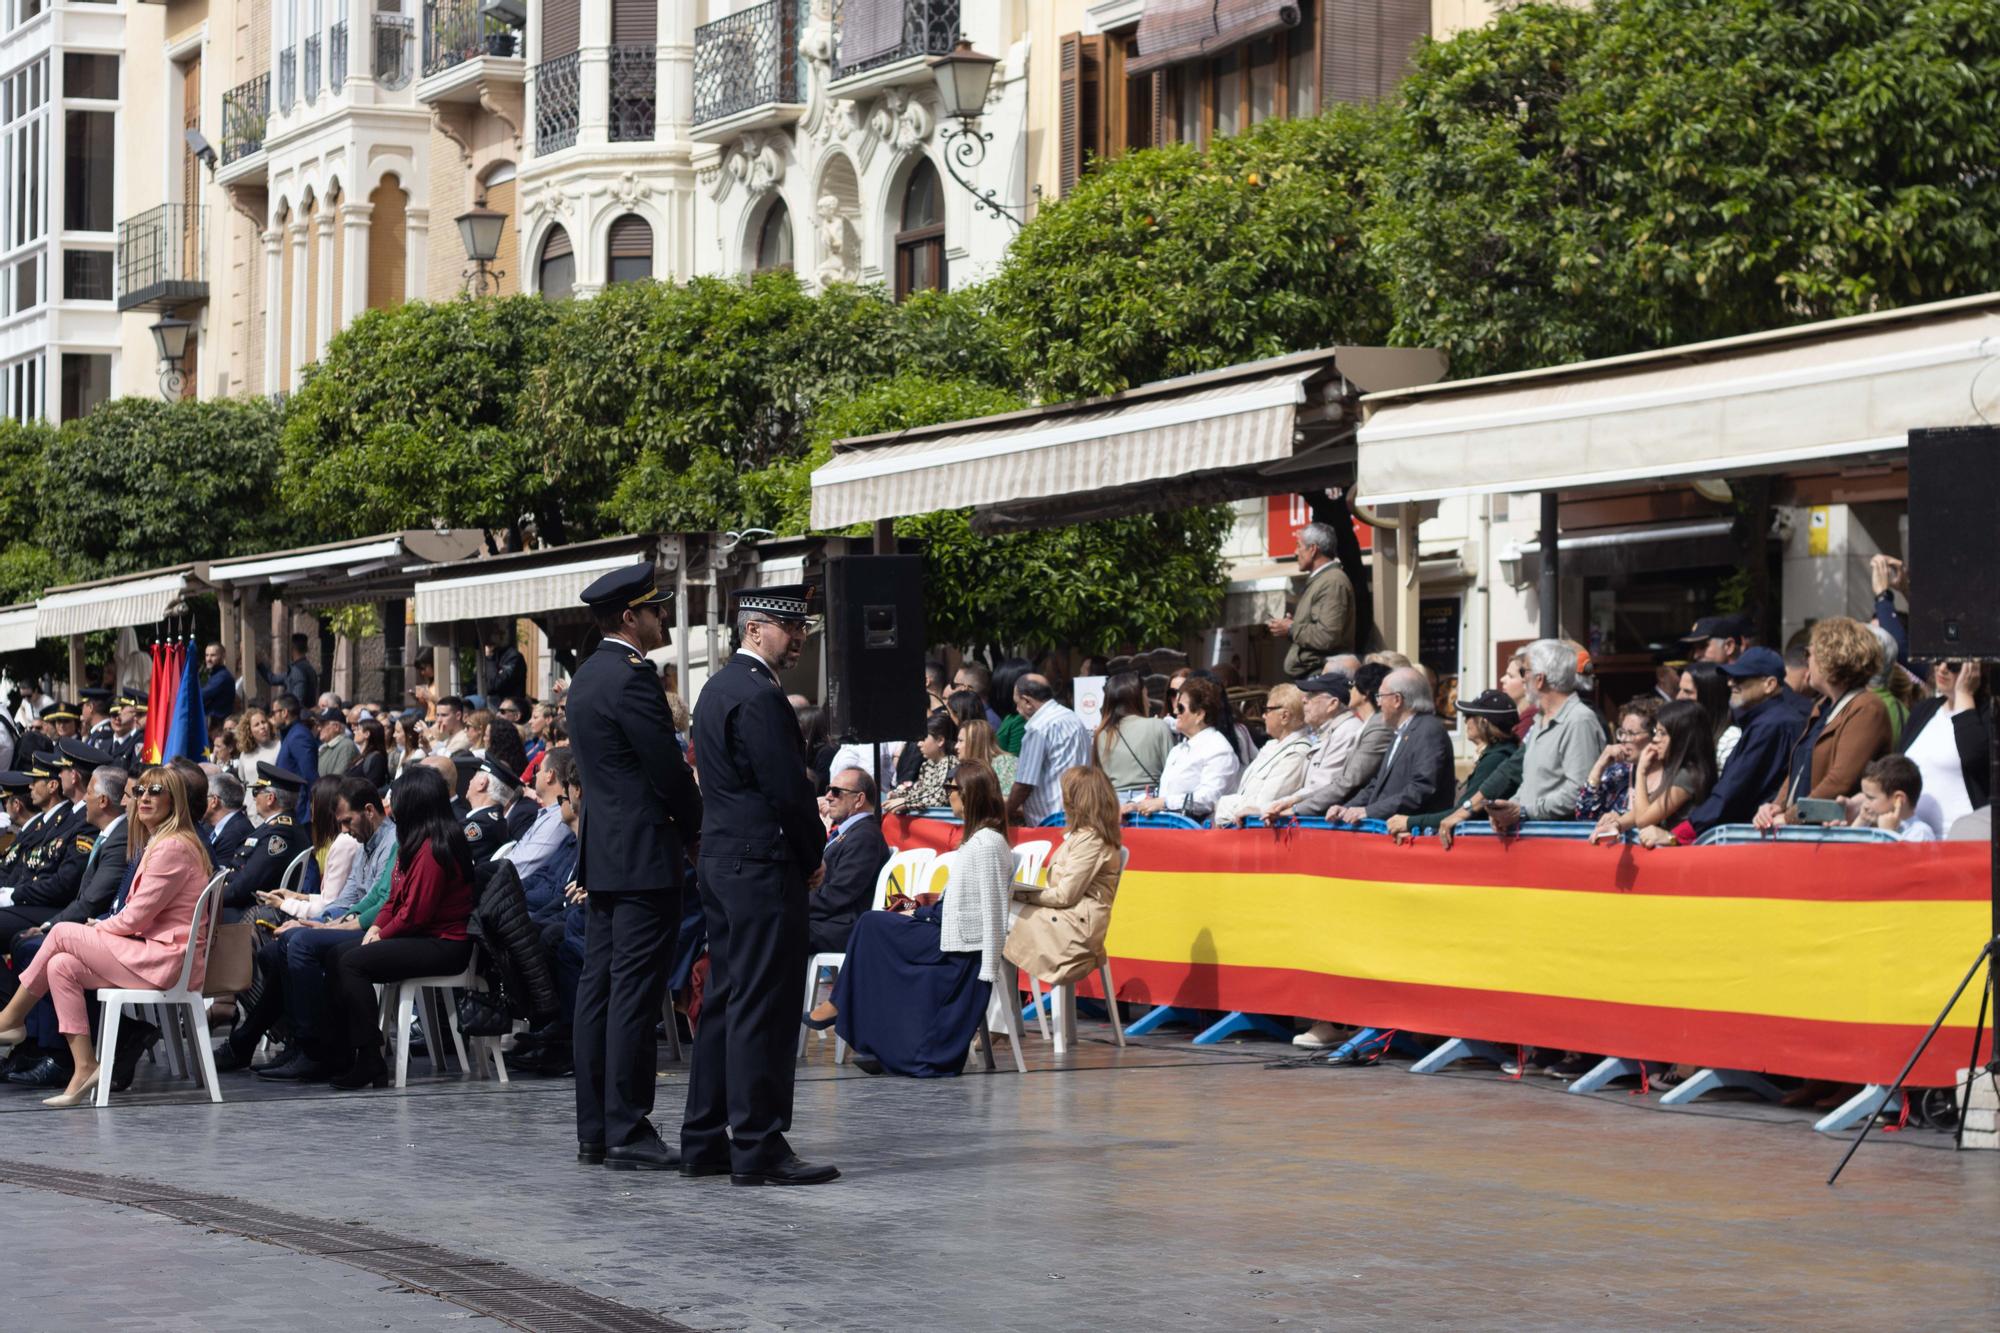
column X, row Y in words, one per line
column 740, row 1089
column 628, row 946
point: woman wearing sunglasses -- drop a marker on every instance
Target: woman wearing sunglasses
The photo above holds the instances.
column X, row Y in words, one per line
column 139, row 946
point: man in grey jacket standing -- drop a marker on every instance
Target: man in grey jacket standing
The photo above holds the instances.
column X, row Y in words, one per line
column 1323, row 622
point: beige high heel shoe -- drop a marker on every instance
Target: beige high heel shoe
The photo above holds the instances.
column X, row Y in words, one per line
column 79, row 1097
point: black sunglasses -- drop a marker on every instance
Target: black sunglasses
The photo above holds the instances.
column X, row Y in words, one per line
column 950, row 787
column 153, row 789
column 837, row 790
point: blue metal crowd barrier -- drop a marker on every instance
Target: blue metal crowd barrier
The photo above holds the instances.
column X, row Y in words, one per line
column 1731, row 835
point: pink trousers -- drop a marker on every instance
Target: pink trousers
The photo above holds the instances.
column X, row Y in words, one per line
column 73, row 959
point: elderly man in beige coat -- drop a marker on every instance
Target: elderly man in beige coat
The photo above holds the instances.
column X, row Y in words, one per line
column 1323, row 622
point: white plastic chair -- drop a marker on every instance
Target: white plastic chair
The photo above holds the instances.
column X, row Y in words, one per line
column 900, row 865
column 1029, row 858
column 181, row 999
column 929, row 875
column 1063, row 996
column 295, row 873
column 500, row 852
column 399, row 1008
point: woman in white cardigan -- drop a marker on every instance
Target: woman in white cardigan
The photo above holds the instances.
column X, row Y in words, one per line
column 1279, row 769
column 909, row 997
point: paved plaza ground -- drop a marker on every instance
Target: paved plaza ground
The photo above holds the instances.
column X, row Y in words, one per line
column 1163, row 1187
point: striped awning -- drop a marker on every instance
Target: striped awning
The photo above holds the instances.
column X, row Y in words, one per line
column 1064, row 452
column 1845, row 390
column 512, row 593
column 17, row 628
column 115, row 604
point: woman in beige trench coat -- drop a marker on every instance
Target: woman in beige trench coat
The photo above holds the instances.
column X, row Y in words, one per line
column 1059, row 932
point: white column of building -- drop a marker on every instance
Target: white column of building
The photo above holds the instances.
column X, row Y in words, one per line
column 593, row 68
column 323, row 249
column 674, row 94
column 417, row 229
column 274, row 306
column 355, row 220
column 295, row 325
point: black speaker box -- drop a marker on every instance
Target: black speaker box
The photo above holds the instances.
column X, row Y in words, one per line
column 875, row 646
column 1954, row 516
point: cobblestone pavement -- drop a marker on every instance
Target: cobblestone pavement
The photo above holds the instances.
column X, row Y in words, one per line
column 1162, row 1187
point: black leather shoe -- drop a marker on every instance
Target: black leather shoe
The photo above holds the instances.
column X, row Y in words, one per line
column 368, row 1070
column 590, row 1154
column 288, row 1070
column 644, row 1154
column 133, row 1043
column 790, row 1171
column 697, row 1170
column 44, row 1073
column 867, row 1064
column 229, row 1059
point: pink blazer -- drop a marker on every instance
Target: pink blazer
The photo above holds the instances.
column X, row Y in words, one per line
column 150, row 934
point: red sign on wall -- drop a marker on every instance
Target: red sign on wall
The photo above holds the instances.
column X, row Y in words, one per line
column 1286, row 514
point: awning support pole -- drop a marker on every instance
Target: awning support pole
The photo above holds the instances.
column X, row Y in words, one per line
column 885, row 536
column 76, row 666
column 1550, row 589
column 681, row 679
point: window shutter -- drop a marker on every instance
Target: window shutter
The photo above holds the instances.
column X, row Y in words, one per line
column 631, row 238
column 1159, row 77
column 1090, row 101
column 1365, row 47
column 1069, row 111
column 556, row 244
column 559, row 29
column 634, row 22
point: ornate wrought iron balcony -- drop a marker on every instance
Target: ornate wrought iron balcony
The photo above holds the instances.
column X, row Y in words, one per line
column 556, row 87
column 162, row 261
column 634, row 85
column 930, row 28
column 455, row 31
column 749, row 59
column 312, row 67
column 336, row 57
column 393, row 65
column 246, row 110
column 288, row 78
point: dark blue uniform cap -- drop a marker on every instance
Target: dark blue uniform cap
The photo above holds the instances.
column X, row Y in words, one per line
column 270, row 775
column 633, row 586
column 779, row 601
column 500, row 771
column 75, row 754
column 13, row 780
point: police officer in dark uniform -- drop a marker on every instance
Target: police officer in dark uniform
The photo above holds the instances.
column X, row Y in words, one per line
column 761, row 845
column 486, row 825
column 259, row 864
column 640, row 810
column 54, row 868
column 124, row 751
column 32, row 821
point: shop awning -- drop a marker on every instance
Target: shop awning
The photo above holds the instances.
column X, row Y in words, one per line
column 1838, row 391
column 83, row 608
column 377, row 568
column 524, row 591
column 1254, row 429
column 17, row 628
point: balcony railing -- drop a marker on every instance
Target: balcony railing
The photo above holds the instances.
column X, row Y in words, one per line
column 161, row 258
column 751, row 58
column 336, row 57
column 392, row 49
column 556, row 88
column 634, row 89
column 312, row 67
column 455, row 32
column 246, row 110
column 288, row 78
column 930, row 28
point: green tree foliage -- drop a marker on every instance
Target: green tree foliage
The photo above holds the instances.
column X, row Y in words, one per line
column 1096, row 586
column 1580, row 182
column 1174, row 260
column 140, row 483
column 663, row 396
column 409, row 420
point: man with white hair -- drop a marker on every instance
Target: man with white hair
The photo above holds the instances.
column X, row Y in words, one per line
column 1561, row 747
column 1323, row 622
column 492, row 789
column 1416, row 777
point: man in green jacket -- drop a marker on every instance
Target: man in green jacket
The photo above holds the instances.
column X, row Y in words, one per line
column 1323, row 622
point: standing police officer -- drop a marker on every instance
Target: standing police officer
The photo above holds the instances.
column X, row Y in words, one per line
column 640, row 807
column 760, row 852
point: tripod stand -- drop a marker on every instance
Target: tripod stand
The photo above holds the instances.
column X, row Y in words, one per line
column 1988, row 957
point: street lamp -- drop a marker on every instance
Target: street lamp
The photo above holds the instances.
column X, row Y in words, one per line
column 170, row 340
column 480, row 227
column 963, row 78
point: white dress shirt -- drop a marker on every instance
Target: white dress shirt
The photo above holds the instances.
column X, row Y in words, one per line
column 1200, row 771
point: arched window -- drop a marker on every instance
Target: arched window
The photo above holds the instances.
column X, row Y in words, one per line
column 920, row 243
column 631, row 246
column 774, row 239
column 555, row 272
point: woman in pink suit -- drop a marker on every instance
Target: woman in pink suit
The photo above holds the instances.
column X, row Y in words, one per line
column 141, row 944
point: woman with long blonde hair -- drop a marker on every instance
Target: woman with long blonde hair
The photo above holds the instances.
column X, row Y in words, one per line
column 257, row 741
column 139, row 946
column 1060, row 934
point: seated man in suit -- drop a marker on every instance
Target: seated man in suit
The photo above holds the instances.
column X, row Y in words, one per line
column 854, row 859
column 1416, row 777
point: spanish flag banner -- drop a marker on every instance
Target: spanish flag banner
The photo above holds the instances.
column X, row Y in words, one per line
column 1813, row 960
